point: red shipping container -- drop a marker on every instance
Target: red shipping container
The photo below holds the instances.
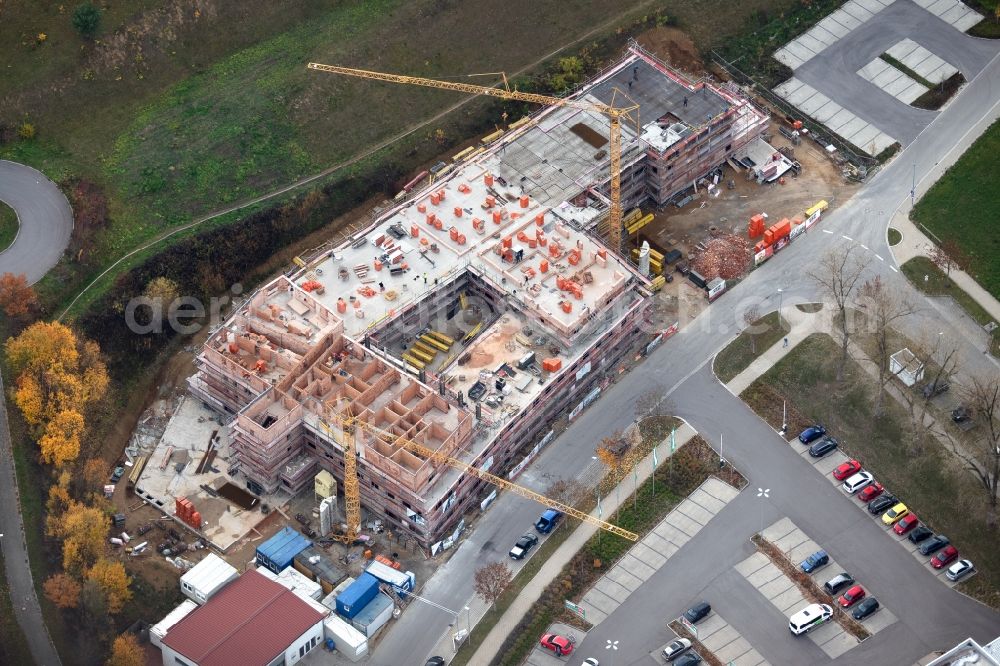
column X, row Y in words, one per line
column 769, row 236
column 782, row 229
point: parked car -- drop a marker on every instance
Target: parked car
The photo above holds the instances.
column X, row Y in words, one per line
column 688, row 659
column 959, row 570
column 675, row 649
column 548, row 521
column 905, row 524
column 920, row 533
column 823, row 447
column 867, row 606
column 435, row 661
column 590, row 661
column 893, row 515
column 846, row 469
column 697, row 612
column 855, row 483
column 809, row 618
column 881, row 504
column 838, row 582
column 934, row 544
column 523, row 545
column 932, row 389
column 870, row 492
column 945, row 556
column 812, row 433
column 815, row 562
column 117, row 474
column 961, row 414
column 561, row 645
column 855, row 594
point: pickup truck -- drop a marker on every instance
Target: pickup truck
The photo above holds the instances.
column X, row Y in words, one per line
column 548, row 521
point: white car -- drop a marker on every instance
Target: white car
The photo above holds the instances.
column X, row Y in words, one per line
column 675, row 649
column 959, row 570
column 855, row 483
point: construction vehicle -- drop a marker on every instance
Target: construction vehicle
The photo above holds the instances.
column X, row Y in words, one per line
column 614, row 114
column 352, row 493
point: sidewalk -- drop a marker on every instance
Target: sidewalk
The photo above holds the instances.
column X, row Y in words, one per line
column 532, row 591
column 803, row 324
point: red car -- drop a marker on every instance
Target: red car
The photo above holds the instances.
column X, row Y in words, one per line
column 851, row 597
column 946, row 556
column 558, row 644
column 905, row 524
column 849, row 468
column 870, row 492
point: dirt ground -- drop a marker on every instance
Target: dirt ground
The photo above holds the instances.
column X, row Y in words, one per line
column 675, row 47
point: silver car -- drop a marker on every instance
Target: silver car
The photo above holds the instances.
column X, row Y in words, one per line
column 675, row 649
column 959, row 570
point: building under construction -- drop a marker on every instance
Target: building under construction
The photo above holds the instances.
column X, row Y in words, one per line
column 472, row 314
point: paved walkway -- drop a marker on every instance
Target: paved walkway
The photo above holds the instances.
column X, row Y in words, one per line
column 532, row 591
column 803, row 324
column 15, row 555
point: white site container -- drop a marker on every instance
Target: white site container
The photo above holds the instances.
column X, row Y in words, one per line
column 160, row 629
column 207, row 577
column 347, row 640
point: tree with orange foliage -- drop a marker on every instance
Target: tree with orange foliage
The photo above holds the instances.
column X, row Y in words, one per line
column 17, row 298
column 82, row 529
column 113, row 581
column 61, row 442
column 126, row 651
column 62, row 590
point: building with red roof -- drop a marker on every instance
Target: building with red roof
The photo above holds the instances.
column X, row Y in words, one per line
column 252, row 621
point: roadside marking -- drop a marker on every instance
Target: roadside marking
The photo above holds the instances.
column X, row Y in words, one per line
column 879, row 257
column 827, row 231
column 893, row 269
column 847, row 238
column 865, row 247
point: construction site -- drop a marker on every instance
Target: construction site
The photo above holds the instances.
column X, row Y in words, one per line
column 440, row 343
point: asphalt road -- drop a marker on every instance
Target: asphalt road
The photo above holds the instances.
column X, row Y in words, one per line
column 15, row 555
column 45, row 217
column 931, row 616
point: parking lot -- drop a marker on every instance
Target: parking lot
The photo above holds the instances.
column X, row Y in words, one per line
column 722, row 640
column 540, row 656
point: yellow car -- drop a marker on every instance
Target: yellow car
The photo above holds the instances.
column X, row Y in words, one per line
column 890, row 517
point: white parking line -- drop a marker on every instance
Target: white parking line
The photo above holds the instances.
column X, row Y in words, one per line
column 827, row 231
column 893, row 269
column 879, row 257
column 847, row 238
column 864, row 247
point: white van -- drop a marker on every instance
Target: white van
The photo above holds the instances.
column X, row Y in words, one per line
column 809, row 618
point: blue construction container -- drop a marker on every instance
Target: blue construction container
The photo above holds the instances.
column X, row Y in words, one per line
column 357, row 595
column 277, row 553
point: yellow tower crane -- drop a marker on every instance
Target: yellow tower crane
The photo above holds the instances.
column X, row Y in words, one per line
column 614, row 114
column 352, row 500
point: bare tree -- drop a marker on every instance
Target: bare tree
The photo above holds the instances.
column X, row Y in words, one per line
column 942, row 354
column 981, row 453
column 567, row 491
column 949, row 255
column 885, row 305
column 751, row 315
column 839, row 274
column 491, row 580
column 652, row 407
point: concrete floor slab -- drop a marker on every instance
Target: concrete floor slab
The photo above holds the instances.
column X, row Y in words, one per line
column 812, row 43
column 845, row 19
column 970, row 19
column 695, row 511
column 840, row 120
column 879, row 621
column 659, row 544
column 612, row 590
column 752, row 564
column 803, row 550
column 827, row 112
column 939, row 7
column 824, row 632
column 776, row 587
column 862, row 14
column 734, row 649
column 710, row 625
column 951, row 15
column 790, row 541
column 852, row 127
column 799, row 51
column 898, row 85
column 683, row 523
column 902, row 49
column 834, row 27
column 719, row 489
column 800, row 95
column 874, row 6
column 672, row 534
column 706, row 501
column 911, row 92
column 622, row 577
column 750, row 658
column 839, row 644
column 764, row 575
column 822, row 34
column 636, row 567
column 600, row 601
column 790, row 601
column 722, row 639
column 785, row 57
column 648, row 555
column 827, row 464
column 861, row 139
column 778, row 529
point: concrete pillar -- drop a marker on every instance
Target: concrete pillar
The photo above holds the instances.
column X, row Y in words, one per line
column 644, row 259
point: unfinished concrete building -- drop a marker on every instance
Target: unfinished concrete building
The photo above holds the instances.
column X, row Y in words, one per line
column 468, row 317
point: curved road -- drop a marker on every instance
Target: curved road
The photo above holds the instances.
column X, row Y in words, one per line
column 45, row 216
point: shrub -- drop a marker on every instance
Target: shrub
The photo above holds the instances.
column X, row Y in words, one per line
column 86, row 19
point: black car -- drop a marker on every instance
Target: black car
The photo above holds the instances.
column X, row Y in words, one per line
column 697, row 612
column 934, row 544
column 435, row 661
column 523, row 545
column 865, row 608
column 812, row 433
column 881, row 504
column 687, row 659
column 920, row 533
column 932, row 389
column 823, row 447
column 838, row 582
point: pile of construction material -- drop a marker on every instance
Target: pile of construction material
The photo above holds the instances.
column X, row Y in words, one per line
column 726, row 256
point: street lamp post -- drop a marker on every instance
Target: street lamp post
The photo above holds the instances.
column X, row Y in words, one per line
column 779, row 307
column 763, row 493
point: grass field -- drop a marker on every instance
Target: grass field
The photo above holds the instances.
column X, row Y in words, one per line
column 8, row 226
column 750, row 344
column 939, row 284
column 945, row 497
column 963, row 207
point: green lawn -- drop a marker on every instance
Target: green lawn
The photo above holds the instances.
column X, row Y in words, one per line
column 929, row 482
column 963, row 207
column 939, row 284
column 748, row 345
column 8, row 226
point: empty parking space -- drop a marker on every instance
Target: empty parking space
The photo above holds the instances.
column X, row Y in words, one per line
column 921, row 61
column 653, row 550
column 825, row 33
column 839, row 120
column 954, row 12
column 719, row 637
column 880, row 73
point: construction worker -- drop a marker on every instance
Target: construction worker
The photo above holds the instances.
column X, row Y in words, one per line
column 425, row 278
column 685, row 101
column 381, row 287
